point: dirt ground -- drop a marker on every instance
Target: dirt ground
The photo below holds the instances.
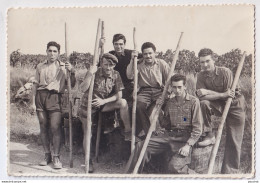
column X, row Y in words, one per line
column 24, row 159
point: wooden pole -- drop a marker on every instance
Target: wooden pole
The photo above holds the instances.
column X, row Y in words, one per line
column 134, row 96
column 99, row 113
column 224, row 116
column 89, row 122
column 70, row 102
column 155, row 113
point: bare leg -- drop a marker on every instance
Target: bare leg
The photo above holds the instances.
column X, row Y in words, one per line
column 124, row 113
column 43, row 120
column 55, row 122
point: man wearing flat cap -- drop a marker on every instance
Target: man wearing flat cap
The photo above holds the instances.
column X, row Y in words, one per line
column 107, row 93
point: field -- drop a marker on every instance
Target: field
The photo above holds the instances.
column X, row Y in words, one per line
column 24, row 125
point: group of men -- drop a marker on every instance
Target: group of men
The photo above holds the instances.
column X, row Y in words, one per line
column 184, row 118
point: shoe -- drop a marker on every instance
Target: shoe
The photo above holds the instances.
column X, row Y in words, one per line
column 56, row 162
column 207, row 141
column 108, row 130
column 46, row 160
column 91, row 167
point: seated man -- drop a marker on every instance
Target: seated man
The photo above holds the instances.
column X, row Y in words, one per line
column 183, row 127
column 107, row 94
column 152, row 75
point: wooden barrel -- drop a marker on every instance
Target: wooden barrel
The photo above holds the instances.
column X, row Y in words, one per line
column 200, row 159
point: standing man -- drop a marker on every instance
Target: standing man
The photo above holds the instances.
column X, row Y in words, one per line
column 183, row 127
column 213, row 89
column 124, row 57
column 107, row 94
column 49, row 84
column 152, row 75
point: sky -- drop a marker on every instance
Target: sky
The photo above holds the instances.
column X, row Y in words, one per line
column 221, row 28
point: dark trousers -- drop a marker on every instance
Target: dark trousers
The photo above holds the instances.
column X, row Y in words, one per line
column 146, row 100
column 178, row 164
column 235, row 123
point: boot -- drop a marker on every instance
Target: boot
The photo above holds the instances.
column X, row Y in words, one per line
column 47, row 160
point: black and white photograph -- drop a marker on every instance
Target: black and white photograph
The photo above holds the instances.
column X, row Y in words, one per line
column 140, row 91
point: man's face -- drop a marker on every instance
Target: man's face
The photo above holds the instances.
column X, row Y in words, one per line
column 207, row 63
column 119, row 46
column 178, row 88
column 148, row 55
column 107, row 66
column 52, row 53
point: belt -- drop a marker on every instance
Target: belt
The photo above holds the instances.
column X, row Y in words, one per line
column 149, row 87
column 178, row 130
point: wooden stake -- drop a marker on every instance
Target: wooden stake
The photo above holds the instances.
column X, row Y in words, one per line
column 99, row 113
column 224, row 116
column 155, row 113
column 70, row 102
column 134, row 96
column 89, row 122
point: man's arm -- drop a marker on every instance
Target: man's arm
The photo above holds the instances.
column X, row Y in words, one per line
column 99, row 101
column 130, row 67
column 204, row 94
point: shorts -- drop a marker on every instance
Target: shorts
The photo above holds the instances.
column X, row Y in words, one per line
column 46, row 100
column 83, row 111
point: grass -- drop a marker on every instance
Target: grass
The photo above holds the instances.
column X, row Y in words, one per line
column 23, row 125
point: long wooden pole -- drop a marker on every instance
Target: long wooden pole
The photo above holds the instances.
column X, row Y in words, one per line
column 89, row 122
column 134, row 95
column 155, row 113
column 70, row 102
column 100, row 113
column 224, row 116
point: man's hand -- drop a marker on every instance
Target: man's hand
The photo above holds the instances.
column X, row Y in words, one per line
column 229, row 93
column 185, row 150
column 202, row 92
column 93, row 69
column 33, row 109
column 102, row 41
column 68, row 66
column 159, row 101
column 98, row 102
column 134, row 54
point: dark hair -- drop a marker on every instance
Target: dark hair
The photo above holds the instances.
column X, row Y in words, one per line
column 148, row 45
column 53, row 43
column 206, row 51
column 178, row 77
column 117, row 37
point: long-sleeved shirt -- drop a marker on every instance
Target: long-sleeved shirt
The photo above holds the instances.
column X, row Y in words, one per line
column 185, row 116
column 52, row 77
column 150, row 75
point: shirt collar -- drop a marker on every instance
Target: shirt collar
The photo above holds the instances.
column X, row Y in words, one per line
column 187, row 97
column 120, row 54
column 154, row 62
column 216, row 72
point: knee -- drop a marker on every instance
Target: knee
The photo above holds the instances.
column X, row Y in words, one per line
column 122, row 103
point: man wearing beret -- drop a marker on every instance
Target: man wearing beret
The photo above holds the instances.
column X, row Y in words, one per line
column 107, row 94
column 213, row 89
